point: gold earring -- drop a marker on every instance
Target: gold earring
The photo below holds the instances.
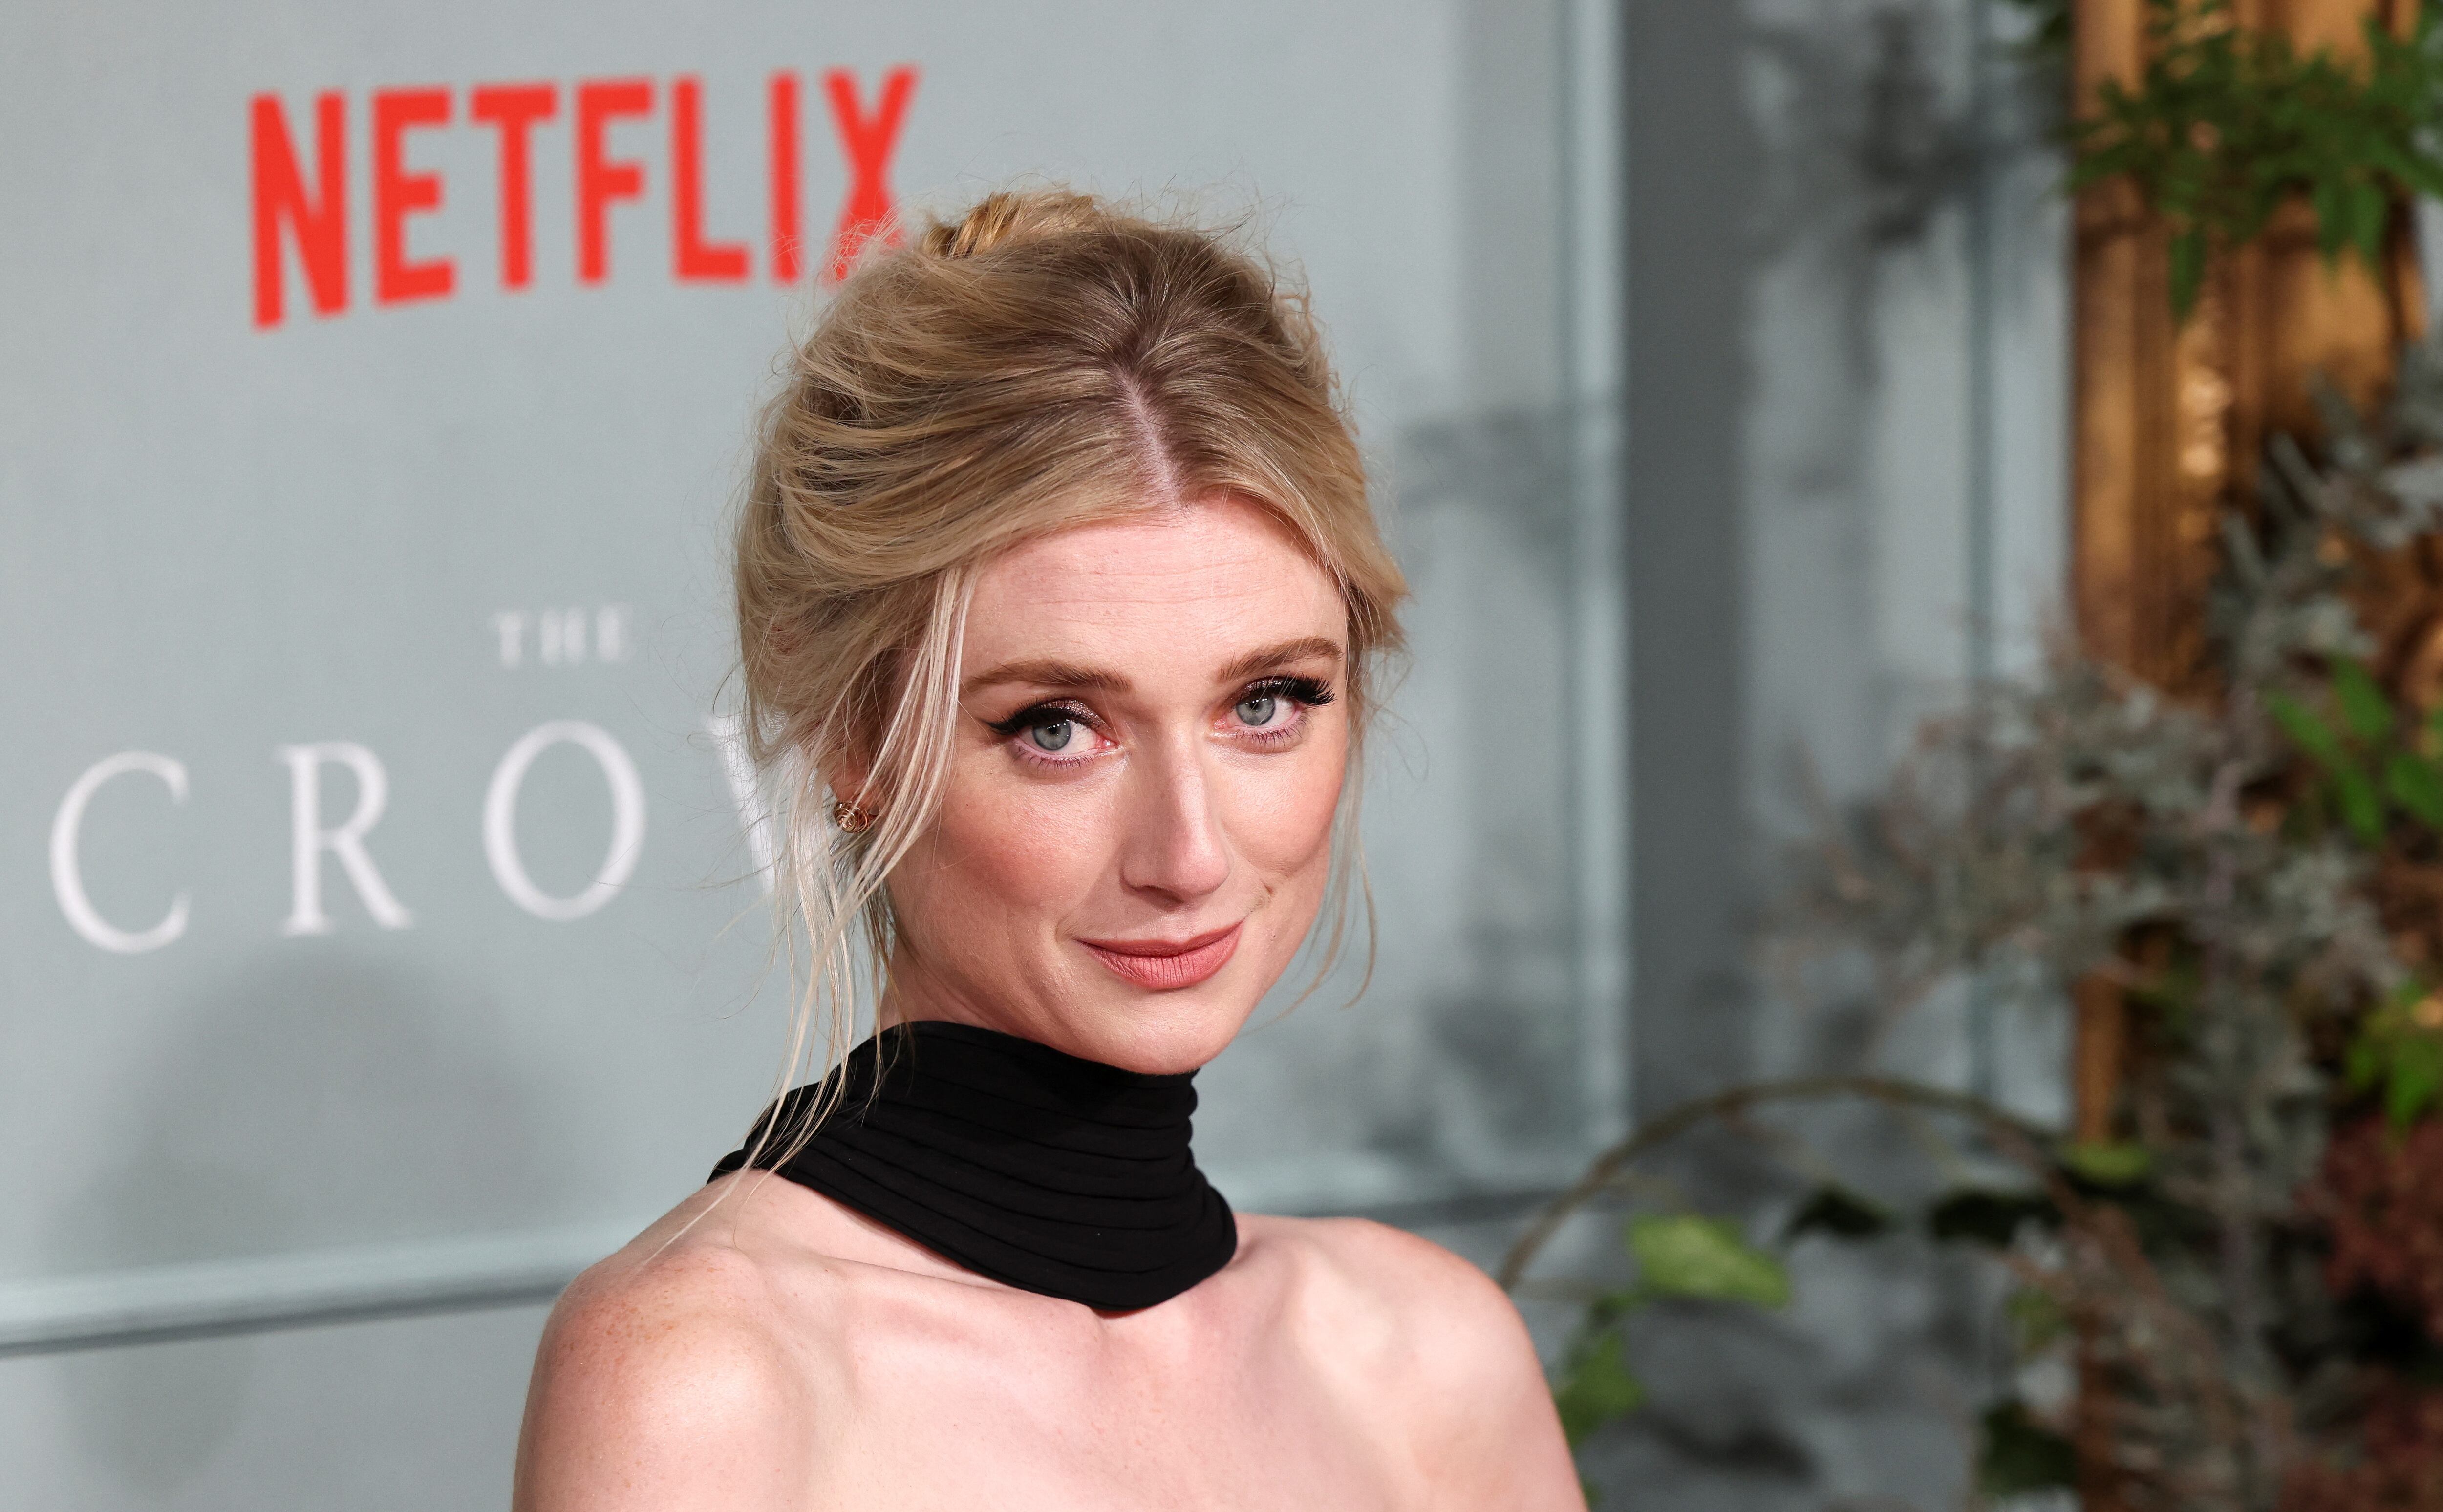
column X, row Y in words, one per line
column 851, row 819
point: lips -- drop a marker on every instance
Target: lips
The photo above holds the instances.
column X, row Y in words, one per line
column 1166, row 966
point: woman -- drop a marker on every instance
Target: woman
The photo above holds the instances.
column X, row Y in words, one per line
column 1058, row 577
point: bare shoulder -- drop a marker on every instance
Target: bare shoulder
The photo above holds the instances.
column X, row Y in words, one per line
column 1386, row 1290
column 1408, row 1325
column 663, row 1381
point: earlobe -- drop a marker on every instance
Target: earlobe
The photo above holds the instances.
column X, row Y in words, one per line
column 846, row 785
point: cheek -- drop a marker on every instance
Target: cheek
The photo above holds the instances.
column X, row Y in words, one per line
column 1004, row 855
column 1000, row 852
column 1287, row 809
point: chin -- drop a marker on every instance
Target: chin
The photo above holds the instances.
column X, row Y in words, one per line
column 1164, row 1034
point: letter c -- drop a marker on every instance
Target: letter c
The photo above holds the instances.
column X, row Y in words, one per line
column 500, row 820
column 67, row 878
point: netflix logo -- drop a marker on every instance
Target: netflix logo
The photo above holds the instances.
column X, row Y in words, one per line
column 303, row 198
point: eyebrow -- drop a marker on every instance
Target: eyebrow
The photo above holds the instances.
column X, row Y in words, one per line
column 1275, row 656
column 1050, row 673
column 1044, row 672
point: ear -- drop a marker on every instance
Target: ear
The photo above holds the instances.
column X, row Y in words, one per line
column 846, row 780
column 845, row 770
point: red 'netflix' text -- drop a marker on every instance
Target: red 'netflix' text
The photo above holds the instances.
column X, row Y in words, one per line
column 302, row 194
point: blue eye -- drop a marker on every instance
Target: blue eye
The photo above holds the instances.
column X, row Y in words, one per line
column 1272, row 707
column 1050, row 729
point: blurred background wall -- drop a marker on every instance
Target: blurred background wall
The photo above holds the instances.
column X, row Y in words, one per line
column 1848, row 399
column 380, row 901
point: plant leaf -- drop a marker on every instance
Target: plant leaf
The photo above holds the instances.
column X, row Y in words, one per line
column 2332, row 216
column 2037, row 1319
column 1985, row 1216
column 2363, row 1063
column 1598, row 1386
column 2368, row 210
column 1837, row 1211
column 2018, row 1455
column 2416, row 1076
column 2416, row 785
column 2188, row 271
column 2364, row 708
column 2361, row 805
column 2307, row 730
column 1613, row 1305
column 1686, row 1255
column 2108, row 1165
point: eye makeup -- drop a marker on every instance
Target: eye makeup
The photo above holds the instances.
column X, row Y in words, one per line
column 1273, row 710
column 1036, row 716
column 1064, row 732
column 1060, row 733
column 1311, row 691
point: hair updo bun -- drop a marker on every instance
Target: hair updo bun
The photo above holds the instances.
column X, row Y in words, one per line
column 1044, row 361
column 1010, row 216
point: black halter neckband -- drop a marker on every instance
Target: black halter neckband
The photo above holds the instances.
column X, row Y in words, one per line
column 1056, row 1174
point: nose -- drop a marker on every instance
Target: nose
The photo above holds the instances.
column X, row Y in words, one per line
column 1173, row 849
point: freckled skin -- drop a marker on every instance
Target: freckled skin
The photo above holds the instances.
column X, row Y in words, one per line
column 763, row 1349
column 1177, row 826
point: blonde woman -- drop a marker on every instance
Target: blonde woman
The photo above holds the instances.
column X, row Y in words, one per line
column 1061, row 602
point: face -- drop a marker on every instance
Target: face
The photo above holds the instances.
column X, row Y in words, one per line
column 1137, row 827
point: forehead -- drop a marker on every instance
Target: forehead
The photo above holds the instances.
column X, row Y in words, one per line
column 1218, row 575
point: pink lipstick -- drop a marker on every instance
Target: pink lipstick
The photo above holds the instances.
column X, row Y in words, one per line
column 1165, row 965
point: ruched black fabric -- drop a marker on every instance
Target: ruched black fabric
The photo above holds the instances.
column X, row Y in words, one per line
column 1060, row 1176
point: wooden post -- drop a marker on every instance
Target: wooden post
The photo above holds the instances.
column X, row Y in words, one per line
column 2296, row 320
column 2171, row 419
column 2121, row 338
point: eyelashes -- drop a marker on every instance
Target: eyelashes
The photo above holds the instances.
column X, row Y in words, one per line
column 1274, row 710
column 1064, row 732
column 1312, row 692
column 1039, row 716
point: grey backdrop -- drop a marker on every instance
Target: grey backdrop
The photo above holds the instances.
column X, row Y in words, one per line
column 215, row 542
column 1843, row 222
column 400, row 541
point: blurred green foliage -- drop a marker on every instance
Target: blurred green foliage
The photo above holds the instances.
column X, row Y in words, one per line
column 2229, row 123
column 2374, row 767
column 2019, row 1456
column 2398, row 1054
column 1679, row 1256
column 2380, row 772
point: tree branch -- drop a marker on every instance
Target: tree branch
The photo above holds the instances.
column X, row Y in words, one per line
column 2020, row 1137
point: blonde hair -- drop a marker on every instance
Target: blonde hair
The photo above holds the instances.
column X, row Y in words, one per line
column 1043, row 362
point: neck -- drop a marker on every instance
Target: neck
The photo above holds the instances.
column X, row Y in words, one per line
column 1017, row 1161
column 913, row 992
